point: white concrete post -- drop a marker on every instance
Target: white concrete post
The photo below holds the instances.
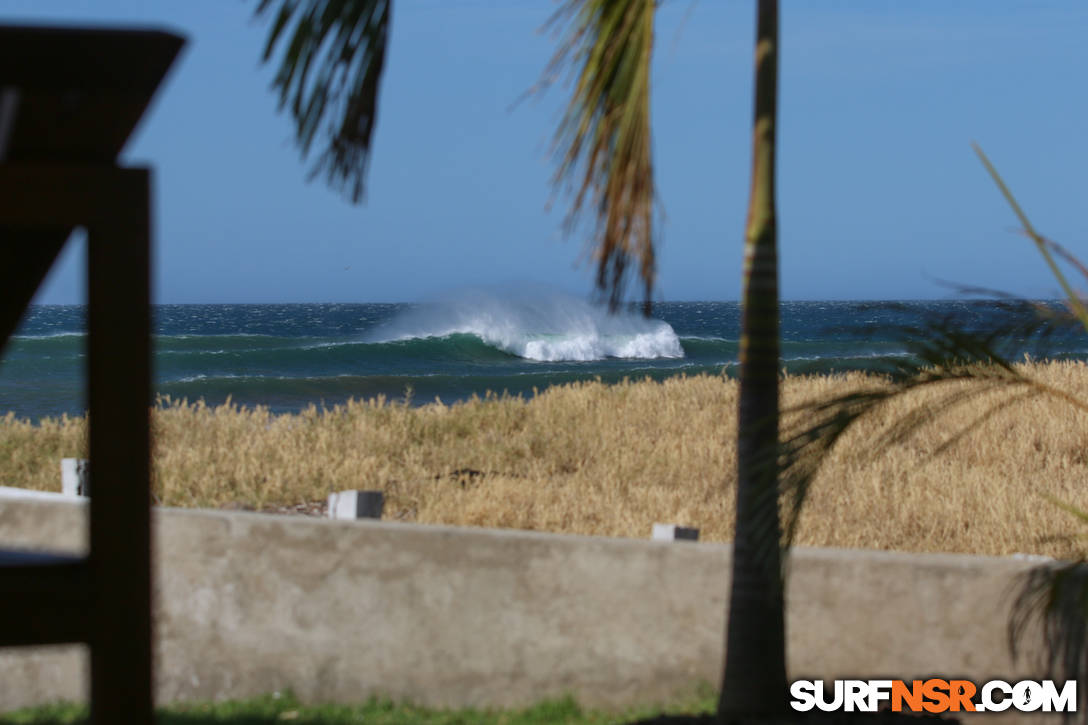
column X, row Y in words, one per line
column 672, row 532
column 356, row 505
column 75, row 476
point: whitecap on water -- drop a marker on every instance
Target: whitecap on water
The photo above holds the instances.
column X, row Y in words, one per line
column 538, row 325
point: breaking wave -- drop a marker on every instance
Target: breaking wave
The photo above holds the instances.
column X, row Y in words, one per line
column 548, row 327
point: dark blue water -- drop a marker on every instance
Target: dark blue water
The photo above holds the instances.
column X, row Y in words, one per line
column 287, row 357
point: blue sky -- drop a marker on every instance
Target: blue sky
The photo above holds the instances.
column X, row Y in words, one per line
column 880, row 194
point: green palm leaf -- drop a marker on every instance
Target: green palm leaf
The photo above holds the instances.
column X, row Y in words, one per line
column 603, row 142
column 329, row 75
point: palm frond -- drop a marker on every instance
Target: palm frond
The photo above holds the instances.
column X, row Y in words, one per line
column 329, row 76
column 1062, row 252
column 603, row 143
column 943, row 353
column 1041, row 243
column 1052, row 602
column 1068, row 508
column 1053, row 598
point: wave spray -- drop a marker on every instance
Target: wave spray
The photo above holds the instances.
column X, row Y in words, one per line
column 537, row 325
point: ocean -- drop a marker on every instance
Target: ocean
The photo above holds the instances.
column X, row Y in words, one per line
column 289, row 356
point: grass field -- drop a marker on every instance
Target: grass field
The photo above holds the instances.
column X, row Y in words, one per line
column 280, row 709
column 613, row 459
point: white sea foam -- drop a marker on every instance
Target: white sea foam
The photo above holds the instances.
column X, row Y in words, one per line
column 538, row 325
column 48, row 336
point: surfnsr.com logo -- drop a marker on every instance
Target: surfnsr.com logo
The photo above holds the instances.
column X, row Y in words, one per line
column 933, row 696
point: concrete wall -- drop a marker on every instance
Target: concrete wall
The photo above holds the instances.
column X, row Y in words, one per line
column 337, row 610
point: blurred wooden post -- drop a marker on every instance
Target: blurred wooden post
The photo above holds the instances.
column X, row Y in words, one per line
column 69, row 99
column 113, row 584
column 119, row 397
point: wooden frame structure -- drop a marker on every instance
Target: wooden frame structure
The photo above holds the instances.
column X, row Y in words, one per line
column 69, row 98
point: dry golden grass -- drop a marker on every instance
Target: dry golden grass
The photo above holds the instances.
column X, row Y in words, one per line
column 612, row 460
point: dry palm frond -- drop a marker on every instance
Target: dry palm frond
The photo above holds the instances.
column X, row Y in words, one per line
column 345, row 41
column 604, row 137
column 1044, row 245
column 1056, row 596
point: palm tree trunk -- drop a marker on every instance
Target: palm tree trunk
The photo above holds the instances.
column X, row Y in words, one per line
column 754, row 682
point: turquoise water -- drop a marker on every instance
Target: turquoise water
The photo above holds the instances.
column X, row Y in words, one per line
column 289, row 356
